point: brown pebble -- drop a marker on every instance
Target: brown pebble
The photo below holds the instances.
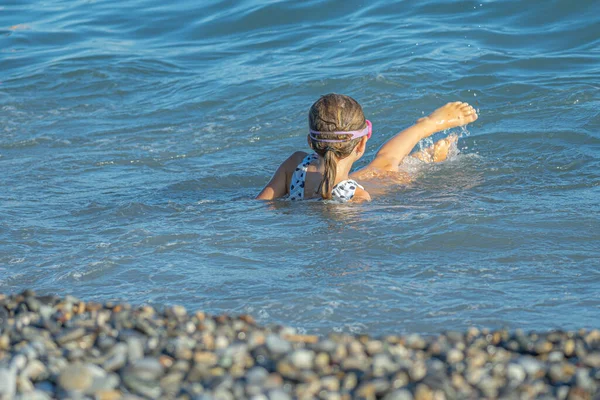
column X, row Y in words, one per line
column 217, row 371
column 472, row 332
column 593, row 337
column 209, row 341
column 476, row 358
column 200, row 315
column 205, row 357
column 496, row 338
column 108, row 395
column 543, row 347
column 247, row 319
column 423, row 393
column 79, row 308
column 330, row 383
column 64, row 317
column 577, row 393
column 274, row 380
column 400, row 379
column 322, row 360
column 366, row 391
column 165, row 361
column 311, row 339
column 91, row 306
column 569, row 347
column 4, row 342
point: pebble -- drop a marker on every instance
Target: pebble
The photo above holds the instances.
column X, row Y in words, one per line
column 147, row 368
column 135, row 349
column 592, row 360
column 53, row 347
column 117, row 357
column 302, row 359
column 36, row 371
column 401, row 394
column 70, row 335
column 8, row 383
column 142, row 377
column 278, row 394
column 75, row 377
column 33, row 395
column 278, row 345
column 257, row 375
column 516, row 373
column 415, row 341
column 454, row 355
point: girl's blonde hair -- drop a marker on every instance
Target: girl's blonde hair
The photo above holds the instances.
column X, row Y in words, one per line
column 334, row 113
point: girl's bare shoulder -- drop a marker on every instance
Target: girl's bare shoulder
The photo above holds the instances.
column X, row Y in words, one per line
column 361, row 195
column 297, row 157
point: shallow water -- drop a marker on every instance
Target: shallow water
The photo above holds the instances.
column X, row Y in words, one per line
column 135, row 134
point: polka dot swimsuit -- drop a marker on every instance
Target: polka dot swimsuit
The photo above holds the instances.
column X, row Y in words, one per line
column 342, row 192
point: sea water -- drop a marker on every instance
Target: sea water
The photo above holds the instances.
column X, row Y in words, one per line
column 135, row 134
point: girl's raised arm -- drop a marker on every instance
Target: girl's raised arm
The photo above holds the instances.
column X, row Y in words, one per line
column 391, row 154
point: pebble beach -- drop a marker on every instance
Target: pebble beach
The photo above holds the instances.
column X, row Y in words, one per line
column 65, row 347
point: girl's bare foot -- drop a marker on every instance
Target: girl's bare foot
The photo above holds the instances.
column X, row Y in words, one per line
column 437, row 152
column 442, row 147
column 451, row 115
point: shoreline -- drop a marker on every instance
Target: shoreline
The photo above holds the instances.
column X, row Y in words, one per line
column 64, row 347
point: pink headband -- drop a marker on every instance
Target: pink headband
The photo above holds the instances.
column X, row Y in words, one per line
column 355, row 134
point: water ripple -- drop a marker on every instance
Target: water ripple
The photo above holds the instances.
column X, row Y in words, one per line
column 135, row 134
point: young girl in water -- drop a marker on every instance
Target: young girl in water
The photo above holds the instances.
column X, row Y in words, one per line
column 338, row 135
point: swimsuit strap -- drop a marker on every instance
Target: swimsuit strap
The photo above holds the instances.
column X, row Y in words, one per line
column 345, row 190
column 299, row 176
column 342, row 192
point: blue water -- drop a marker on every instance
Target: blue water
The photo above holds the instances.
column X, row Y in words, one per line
column 134, row 135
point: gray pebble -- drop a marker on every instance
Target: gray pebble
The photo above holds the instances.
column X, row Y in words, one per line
column 46, row 312
column 19, row 362
column 401, row 394
column 36, row 371
column 144, row 387
column 592, row 360
column 415, row 341
column 531, row 365
column 34, row 395
column 75, row 377
column 277, row 345
column 4, row 316
column 147, row 369
column 383, row 365
column 70, row 335
column 170, row 383
column 417, row 371
column 8, row 383
column 117, row 358
column 278, row 394
column 556, row 356
column 257, row 375
column 33, row 304
column 135, row 349
column 516, row 373
column 302, row 359
column 583, row 379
